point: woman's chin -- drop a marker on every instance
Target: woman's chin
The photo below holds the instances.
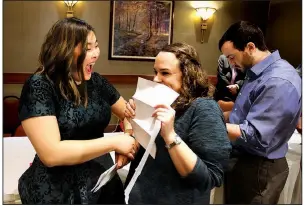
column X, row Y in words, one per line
column 87, row 76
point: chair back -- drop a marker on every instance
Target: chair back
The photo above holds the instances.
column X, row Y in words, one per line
column 20, row 132
column 10, row 114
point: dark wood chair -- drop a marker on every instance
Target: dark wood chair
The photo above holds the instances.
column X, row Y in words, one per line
column 10, row 115
column 299, row 125
column 20, row 132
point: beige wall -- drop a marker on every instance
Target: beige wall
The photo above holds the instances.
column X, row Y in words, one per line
column 25, row 23
column 285, row 30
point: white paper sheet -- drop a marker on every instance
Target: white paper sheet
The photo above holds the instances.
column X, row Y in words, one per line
column 148, row 95
column 153, row 93
column 141, row 163
column 104, row 178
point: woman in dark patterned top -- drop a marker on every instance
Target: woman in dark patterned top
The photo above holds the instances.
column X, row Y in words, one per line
column 64, row 109
column 192, row 146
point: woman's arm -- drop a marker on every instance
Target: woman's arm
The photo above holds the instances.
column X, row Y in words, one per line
column 37, row 112
column 117, row 102
column 122, row 112
column 44, row 135
column 119, row 108
column 183, row 158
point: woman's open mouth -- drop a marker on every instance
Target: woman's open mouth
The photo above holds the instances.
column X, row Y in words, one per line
column 89, row 68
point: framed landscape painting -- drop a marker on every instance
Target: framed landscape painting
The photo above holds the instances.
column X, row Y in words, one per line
column 139, row 29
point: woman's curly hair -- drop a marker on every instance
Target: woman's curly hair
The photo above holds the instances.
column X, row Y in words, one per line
column 195, row 81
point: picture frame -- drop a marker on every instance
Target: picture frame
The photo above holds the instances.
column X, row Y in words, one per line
column 139, row 29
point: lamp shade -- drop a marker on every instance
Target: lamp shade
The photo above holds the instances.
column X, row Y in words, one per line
column 205, row 12
column 70, row 3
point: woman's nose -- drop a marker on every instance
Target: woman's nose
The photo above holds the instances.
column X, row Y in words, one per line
column 156, row 78
column 96, row 53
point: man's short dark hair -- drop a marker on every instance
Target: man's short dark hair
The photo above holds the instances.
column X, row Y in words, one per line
column 243, row 32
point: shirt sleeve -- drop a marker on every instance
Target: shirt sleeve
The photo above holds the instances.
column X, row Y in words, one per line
column 275, row 106
column 208, row 140
column 110, row 93
column 36, row 98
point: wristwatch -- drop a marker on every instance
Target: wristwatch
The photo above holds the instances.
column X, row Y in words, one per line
column 177, row 141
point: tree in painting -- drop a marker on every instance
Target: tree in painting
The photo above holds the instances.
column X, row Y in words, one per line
column 140, row 28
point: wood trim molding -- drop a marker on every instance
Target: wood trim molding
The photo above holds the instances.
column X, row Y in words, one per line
column 20, row 78
column 213, row 79
column 15, row 78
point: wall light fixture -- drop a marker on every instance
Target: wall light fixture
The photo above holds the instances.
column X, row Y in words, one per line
column 205, row 13
column 70, row 5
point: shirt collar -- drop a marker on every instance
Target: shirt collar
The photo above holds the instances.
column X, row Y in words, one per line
column 258, row 68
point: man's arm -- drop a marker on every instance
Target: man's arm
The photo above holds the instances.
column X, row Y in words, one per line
column 271, row 112
column 226, row 116
column 233, row 131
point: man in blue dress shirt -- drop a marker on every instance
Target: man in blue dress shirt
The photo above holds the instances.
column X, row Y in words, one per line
column 263, row 119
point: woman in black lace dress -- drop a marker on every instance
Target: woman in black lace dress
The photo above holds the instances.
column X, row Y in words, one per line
column 64, row 109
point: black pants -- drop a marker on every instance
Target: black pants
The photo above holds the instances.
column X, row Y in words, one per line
column 255, row 180
column 112, row 193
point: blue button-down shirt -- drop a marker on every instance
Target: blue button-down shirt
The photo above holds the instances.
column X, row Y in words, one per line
column 267, row 108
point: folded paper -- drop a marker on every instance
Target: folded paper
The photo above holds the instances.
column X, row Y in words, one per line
column 148, row 95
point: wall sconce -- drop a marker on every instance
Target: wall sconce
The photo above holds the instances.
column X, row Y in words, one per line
column 205, row 13
column 70, row 5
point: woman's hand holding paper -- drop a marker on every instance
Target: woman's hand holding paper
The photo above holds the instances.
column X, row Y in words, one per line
column 166, row 115
column 130, row 109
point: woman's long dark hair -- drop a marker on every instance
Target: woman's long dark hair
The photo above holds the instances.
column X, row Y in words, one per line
column 56, row 57
column 194, row 78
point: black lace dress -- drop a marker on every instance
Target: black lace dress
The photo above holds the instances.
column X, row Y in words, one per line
column 69, row 184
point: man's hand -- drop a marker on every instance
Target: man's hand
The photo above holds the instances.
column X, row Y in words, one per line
column 233, row 88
